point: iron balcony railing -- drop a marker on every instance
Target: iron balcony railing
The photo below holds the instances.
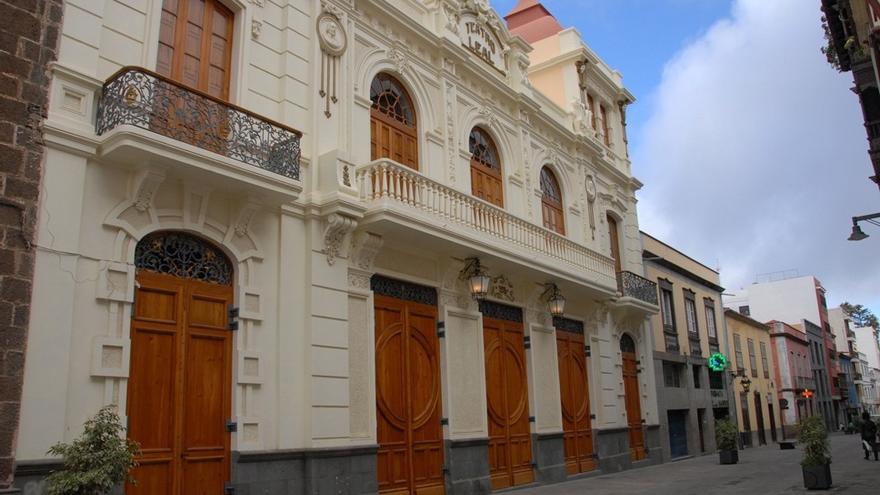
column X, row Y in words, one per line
column 631, row 285
column 142, row 98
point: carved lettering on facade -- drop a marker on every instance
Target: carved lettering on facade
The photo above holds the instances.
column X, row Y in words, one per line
column 480, row 39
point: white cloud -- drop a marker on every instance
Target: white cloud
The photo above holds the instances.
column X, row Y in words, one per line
column 754, row 156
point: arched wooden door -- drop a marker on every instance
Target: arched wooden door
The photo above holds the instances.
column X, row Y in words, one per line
column 486, row 178
column 180, row 383
column 551, row 202
column 631, row 396
column 392, row 122
column 575, row 395
column 510, row 451
column 410, row 437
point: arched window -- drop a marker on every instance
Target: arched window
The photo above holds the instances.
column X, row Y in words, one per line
column 551, row 201
column 614, row 238
column 486, row 178
column 392, row 122
column 627, row 344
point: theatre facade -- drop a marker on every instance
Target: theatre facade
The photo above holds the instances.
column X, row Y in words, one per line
column 338, row 247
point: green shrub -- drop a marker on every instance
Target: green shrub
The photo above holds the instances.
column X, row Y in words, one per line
column 814, row 438
column 96, row 461
column 725, row 434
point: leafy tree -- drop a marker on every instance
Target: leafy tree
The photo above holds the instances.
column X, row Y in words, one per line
column 860, row 315
column 96, row 461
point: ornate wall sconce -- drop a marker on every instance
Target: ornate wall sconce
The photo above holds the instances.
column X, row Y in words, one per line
column 554, row 299
column 477, row 278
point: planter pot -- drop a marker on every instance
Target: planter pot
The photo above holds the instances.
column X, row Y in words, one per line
column 817, row 477
column 728, row 456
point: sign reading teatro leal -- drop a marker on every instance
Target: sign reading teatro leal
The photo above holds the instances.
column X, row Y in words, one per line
column 480, row 39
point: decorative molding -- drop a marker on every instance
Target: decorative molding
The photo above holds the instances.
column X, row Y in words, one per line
column 145, row 185
column 400, row 59
column 364, row 248
column 246, row 213
column 358, row 279
column 590, row 187
column 502, row 288
column 450, row 129
column 333, row 41
column 256, row 29
column 337, row 227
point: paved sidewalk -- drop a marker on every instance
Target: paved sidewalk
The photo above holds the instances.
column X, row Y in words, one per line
column 761, row 471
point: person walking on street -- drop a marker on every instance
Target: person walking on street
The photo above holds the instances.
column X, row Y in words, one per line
column 869, row 435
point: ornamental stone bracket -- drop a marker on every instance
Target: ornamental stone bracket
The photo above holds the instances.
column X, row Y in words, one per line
column 144, row 188
column 336, row 229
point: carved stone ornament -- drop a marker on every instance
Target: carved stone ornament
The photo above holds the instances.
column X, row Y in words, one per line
column 364, row 248
column 333, row 41
column 246, row 214
column 400, row 59
column 590, row 186
column 338, row 226
column 502, row 288
column 146, row 184
column 256, row 29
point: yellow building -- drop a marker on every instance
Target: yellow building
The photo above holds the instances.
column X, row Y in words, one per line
column 754, row 387
column 686, row 333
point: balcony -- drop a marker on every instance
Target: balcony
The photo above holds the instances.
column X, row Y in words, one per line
column 404, row 197
column 631, row 285
column 145, row 117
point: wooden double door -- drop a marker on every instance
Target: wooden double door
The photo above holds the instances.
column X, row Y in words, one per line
column 410, row 437
column 510, row 448
column 633, row 405
column 575, row 394
column 179, row 388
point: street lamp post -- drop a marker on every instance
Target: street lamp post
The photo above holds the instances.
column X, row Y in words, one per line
column 857, row 233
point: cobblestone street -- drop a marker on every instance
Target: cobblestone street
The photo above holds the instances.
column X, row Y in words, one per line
column 764, row 470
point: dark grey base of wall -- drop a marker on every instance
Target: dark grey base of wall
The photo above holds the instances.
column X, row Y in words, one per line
column 30, row 476
column 549, row 456
column 9, row 491
column 467, row 462
column 612, row 447
column 348, row 471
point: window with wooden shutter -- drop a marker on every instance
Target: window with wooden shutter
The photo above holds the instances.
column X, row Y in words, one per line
column 551, row 202
column 393, row 130
column 195, row 45
column 486, row 178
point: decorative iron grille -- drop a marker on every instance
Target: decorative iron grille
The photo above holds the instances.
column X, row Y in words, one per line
column 568, row 325
column 142, row 98
column 183, row 255
column 501, row 311
column 631, row 285
column 406, row 291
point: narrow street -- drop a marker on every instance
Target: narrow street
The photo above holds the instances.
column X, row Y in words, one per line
column 763, row 470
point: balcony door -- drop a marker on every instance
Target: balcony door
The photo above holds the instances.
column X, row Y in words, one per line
column 631, row 397
column 195, row 50
column 486, row 179
column 551, row 202
column 393, row 130
column 615, row 241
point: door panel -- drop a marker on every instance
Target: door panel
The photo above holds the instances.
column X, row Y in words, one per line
column 392, row 139
column 410, row 437
column 575, row 395
column 633, row 407
column 180, row 386
column 510, row 454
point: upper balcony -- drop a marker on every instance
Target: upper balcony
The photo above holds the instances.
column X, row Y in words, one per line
column 637, row 287
column 397, row 196
column 145, row 117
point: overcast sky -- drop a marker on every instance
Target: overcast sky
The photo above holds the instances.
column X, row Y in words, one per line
column 750, row 145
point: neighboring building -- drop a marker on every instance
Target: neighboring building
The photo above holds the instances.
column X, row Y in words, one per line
column 852, row 28
column 867, row 342
column 845, row 341
column 871, row 395
column 793, row 300
column 757, row 409
column 266, row 239
column 848, row 390
column 818, row 358
column 793, row 374
column 687, row 331
column 28, row 46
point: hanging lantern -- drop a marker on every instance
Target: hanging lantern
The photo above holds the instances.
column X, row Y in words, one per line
column 555, row 299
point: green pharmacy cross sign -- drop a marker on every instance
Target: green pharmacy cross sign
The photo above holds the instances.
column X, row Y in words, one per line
column 717, row 362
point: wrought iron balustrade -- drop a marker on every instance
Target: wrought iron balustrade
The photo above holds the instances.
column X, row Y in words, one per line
column 631, row 285
column 142, row 98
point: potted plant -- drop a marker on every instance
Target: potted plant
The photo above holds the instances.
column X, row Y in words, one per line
column 97, row 461
column 816, row 464
column 725, row 439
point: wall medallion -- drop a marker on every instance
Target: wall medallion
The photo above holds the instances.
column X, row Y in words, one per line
column 333, row 41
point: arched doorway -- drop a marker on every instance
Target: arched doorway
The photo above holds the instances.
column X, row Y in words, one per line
column 393, row 130
column 631, row 397
column 486, row 178
column 180, row 381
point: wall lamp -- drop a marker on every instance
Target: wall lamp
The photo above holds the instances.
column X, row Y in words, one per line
column 744, row 381
column 857, row 233
column 554, row 299
column 476, row 276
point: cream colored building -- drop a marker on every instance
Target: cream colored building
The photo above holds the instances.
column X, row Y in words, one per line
column 756, row 404
column 225, row 263
column 688, row 330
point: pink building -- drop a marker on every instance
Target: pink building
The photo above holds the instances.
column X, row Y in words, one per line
column 791, row 364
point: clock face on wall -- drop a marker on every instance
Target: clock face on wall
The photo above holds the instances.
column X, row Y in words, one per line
column 717, row 362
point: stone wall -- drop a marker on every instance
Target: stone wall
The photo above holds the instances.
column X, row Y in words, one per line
column 28, row 42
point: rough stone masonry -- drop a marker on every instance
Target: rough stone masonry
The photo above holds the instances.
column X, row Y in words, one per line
column 29, row 35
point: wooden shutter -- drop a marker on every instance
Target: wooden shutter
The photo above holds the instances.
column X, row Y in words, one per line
column 551, row 202
column 393, row 129
column 615, row 241
column 486, row 177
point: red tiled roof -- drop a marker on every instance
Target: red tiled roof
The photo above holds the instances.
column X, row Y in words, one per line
column 532, row 21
